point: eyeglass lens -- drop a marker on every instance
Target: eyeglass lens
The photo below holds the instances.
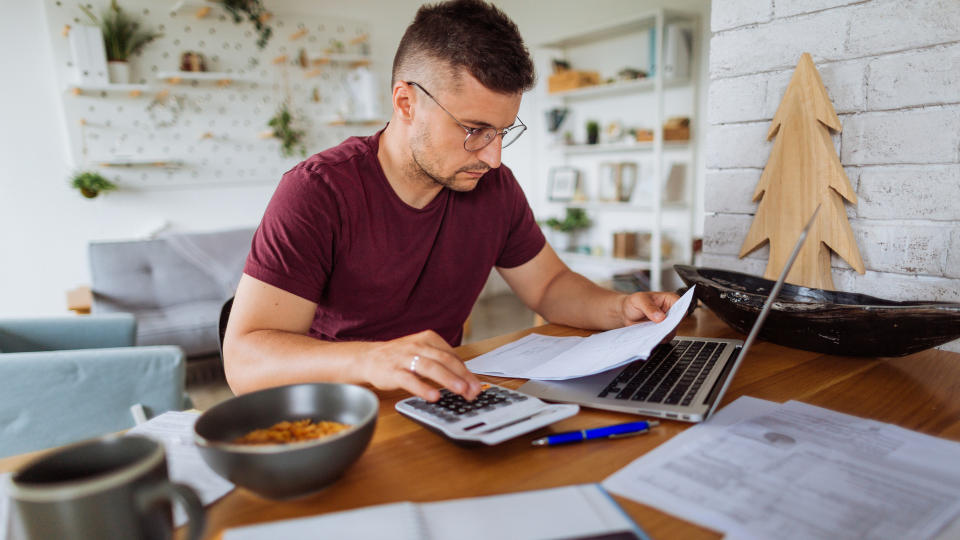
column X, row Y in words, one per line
column 479, row 139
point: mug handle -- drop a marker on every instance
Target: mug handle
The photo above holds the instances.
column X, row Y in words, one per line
column 183, row 494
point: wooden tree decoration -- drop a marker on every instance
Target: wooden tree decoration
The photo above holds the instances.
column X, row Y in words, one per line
column 804, row 171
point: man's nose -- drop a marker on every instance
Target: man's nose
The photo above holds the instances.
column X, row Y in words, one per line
column 490, row 154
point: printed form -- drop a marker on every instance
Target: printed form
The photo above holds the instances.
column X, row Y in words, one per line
column 556, row 358
column 759, row 469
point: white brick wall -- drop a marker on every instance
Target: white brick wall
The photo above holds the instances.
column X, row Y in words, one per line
column 892, row 71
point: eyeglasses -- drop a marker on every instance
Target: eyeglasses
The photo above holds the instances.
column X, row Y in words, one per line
column 479, row 138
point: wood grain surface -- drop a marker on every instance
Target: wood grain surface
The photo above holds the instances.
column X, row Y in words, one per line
column 408, row 463
column 802, row 173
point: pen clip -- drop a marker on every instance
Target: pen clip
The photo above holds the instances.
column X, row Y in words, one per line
column 650, row 424
column 631, row 434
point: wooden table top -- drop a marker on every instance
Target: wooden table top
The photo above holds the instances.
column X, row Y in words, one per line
column 405, row 462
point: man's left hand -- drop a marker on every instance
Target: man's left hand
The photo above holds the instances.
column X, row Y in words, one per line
column 644, row 306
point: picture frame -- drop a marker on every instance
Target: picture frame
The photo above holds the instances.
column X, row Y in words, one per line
column 563, row 183
column 608, row 179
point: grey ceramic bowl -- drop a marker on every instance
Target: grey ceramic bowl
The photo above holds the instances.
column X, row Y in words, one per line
column 282, row 471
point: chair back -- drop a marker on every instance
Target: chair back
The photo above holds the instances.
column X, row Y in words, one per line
column 52, row 398
column 224, row 318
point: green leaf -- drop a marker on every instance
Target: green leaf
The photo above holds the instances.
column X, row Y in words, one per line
column 122, row 36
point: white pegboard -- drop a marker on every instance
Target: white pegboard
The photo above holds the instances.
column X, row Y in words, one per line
column 203, row 132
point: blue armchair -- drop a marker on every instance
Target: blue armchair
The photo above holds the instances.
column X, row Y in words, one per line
column 70, row 378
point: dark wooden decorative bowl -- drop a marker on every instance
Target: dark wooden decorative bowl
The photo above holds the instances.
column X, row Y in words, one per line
column 831, row 322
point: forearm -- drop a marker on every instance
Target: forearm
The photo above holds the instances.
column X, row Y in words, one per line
column 574, row 300
column 266, row 358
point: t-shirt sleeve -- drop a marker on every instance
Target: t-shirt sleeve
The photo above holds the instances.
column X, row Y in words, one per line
column 524, row 239
column 293, row 247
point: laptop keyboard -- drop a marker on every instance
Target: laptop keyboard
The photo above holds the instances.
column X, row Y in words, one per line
column 672, row 375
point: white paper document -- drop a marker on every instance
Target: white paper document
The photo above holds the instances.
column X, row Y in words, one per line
column 557, row 358
column 795, row 471
column 174, row 430
column 581, row 511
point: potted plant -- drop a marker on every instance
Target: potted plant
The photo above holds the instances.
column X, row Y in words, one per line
column 122, row 37
column 91, row 183
column 573, row 222
column 254, row 11
column 282, row 128
column 593, row 132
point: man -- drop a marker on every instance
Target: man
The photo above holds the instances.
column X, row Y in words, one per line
column 371, row 254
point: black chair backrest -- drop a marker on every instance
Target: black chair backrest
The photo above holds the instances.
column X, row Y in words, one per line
column 224, row 317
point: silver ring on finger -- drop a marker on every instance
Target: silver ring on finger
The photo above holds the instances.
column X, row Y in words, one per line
column 413, row 364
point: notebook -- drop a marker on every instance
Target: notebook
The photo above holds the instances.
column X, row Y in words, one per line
column 681, row 380
column 579, row 511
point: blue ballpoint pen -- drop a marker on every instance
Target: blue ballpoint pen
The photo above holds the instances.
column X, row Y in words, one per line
column 606, row 432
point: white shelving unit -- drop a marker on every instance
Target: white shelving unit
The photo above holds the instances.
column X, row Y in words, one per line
column 643, row 103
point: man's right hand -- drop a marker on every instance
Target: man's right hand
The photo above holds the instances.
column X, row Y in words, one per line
column 409, row 362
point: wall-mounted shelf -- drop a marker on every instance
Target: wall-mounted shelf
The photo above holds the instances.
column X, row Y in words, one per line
column 617, row 88
column 357, row 122
column 136, row 162
column 200, row 7
column 322, row 58
column 624, row 206
column 133, row 90
column 601, row 268
column 618, row 262
column 221, row 78
column 616, row 147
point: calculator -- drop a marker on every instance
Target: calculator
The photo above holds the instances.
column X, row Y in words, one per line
column 496, row 415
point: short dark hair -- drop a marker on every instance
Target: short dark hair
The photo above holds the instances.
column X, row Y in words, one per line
column 469, row 34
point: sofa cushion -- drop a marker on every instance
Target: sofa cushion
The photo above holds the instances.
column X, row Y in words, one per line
column 174, row 285
column 134, row 274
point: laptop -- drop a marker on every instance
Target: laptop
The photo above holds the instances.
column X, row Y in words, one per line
column 681, row 380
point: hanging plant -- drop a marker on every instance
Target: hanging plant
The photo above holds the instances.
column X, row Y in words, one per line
column 282, row 127
column 255, row 13
column 91, row 183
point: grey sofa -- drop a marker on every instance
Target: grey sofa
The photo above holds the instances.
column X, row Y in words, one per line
column 173, row 284
column 64, row 379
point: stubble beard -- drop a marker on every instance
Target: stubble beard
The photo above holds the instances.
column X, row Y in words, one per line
column 422, row 167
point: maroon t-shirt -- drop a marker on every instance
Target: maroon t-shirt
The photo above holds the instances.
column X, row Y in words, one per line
column 336, row 233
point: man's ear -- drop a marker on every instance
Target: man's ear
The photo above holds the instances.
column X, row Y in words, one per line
column 403, row 101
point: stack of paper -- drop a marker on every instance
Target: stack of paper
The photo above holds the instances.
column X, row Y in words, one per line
column 759, row 469
column 557, row 358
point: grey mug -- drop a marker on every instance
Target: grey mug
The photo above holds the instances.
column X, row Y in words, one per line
column 114, row 487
